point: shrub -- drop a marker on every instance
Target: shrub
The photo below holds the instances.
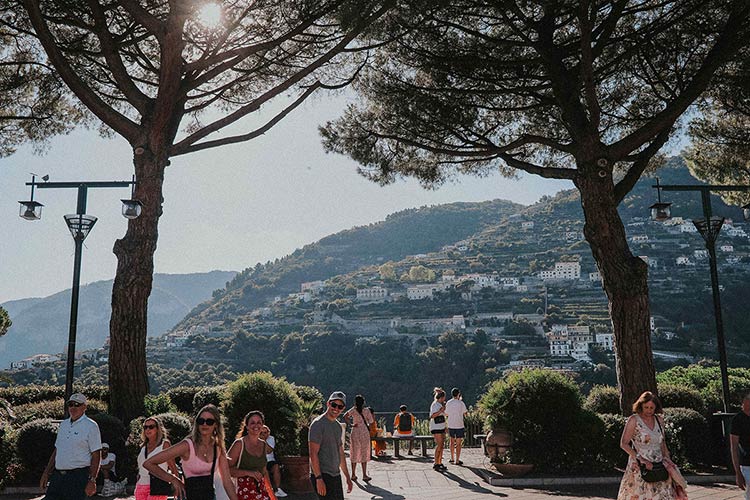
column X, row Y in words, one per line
column 603, row 399
column 19, row 395
column 707, row 381
column 208, row 395
column 7, row 458
column 34, row 445
column 114, row 433
column 675, row 396
column 687, row 436
column 158, row 404
column 610, row 453
column 309, row 394
column 275, row 397
column 543, row 411
column 182, row 397
column 54, row 409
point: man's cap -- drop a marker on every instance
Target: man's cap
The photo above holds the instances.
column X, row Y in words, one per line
column 402, row 408
column 105, row 445
column 78, row 398
column 337, row 395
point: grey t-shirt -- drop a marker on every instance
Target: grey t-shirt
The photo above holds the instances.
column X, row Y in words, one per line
column 327, row 433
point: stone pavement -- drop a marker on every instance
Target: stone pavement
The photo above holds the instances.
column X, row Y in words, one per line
column 412, row 478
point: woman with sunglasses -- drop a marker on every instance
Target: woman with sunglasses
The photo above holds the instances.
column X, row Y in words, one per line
column 247, row 459
column 202, row 453
column 153, row 440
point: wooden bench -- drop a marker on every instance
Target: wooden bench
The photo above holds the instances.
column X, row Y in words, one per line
column 396, row 440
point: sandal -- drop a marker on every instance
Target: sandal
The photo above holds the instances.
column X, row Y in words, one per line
column 459, row 462
column 366, row 478
column 354, row 478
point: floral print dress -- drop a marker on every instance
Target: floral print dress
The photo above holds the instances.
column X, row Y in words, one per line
column 647, row 444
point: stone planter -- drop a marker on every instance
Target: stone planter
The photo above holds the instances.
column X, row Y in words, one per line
column 295, row 474
column 513, row 470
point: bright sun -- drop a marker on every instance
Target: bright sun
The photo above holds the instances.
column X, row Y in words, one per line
column 210, row 15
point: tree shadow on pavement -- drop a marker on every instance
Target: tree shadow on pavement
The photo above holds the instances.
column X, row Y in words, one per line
column 473, row 487
column 380, row 493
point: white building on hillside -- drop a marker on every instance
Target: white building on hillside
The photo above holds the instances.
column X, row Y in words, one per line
column 372, row 293
column 313, row 287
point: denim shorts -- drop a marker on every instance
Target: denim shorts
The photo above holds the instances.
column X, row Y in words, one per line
column 457, row 433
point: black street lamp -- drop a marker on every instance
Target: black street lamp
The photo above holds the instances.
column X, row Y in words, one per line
column 709, row 228
column 79, row 224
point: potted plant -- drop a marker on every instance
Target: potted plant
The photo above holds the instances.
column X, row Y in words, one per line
column 296, row 468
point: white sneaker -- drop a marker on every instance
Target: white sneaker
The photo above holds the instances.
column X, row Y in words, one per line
column 280, row 493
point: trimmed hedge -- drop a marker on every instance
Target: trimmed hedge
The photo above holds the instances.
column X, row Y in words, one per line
column 603, row 399
column 208, row 395
column 51, row 409
column 34, row 445
column 610, row 453
column 543, row 410
column 182, row 397
column 153, row 404
column 19, row 395
column 275, row 397
column 687, row 436
column 675, row 396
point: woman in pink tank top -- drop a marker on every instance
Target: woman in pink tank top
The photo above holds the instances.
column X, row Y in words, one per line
column 202, row 453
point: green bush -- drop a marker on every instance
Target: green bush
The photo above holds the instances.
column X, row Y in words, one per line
column 182, row 397
column 675, row 396
column 603, row 399
column 54, row 409
column 114, row 433
column 275, row 397
column 687, row 436
column 158, row 404
column 7, row 457
column 610, row 453
column 309, row 394
column 34, row 445
column 20, row 395
column 707, row 381
column 208, row 395
column 543, row 411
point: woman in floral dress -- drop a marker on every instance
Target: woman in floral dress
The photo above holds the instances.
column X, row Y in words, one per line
column 359, row 442
column 643, row 441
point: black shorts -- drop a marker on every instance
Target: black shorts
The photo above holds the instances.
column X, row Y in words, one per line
column 456, row 433
column 437, row 431
column 269, row 465
column 334, row 488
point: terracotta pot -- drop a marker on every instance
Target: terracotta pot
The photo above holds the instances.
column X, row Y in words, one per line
column 498, row 443
column 295, row 474
column 513, row 470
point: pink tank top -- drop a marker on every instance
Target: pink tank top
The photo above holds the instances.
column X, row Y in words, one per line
column 194, row 466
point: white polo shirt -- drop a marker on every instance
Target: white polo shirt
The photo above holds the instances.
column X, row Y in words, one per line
column 455, row 409
column 75, row 443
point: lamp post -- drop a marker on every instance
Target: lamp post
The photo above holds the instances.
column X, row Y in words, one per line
column 709, row 228
column 79, row 224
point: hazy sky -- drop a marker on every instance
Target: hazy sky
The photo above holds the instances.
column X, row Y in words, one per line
column 226, row 208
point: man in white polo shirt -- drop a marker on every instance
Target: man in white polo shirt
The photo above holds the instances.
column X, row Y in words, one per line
column 455, row 409
column 74, row 464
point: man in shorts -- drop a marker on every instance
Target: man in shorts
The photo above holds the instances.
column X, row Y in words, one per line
column 739, row 439
column 455, row 409
column 327, row 458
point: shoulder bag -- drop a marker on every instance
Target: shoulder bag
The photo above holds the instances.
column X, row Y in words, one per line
column 201, row 487
column 658, row 472
column 158, row 486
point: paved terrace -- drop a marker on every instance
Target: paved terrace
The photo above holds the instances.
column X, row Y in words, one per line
column 412, row 478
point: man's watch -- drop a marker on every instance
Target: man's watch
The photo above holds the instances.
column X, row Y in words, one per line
column 318, row 477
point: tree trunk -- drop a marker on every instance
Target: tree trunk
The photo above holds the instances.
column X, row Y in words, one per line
column 128, row 380
column 625, row 280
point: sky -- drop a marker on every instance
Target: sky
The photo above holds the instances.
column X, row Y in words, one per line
column 226, row 208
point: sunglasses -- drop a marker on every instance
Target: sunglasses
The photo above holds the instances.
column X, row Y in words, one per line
column 149, row 426
column 337, row 406
column 205, row 421
column 74, row 404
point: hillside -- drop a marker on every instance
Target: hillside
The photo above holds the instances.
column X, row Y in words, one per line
column 409, row 232
column 40, row 325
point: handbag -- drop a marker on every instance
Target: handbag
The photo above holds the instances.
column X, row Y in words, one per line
column 158, row 486
column 373, row 429
column 201, row 487
column 440, row 419
column 657, row 473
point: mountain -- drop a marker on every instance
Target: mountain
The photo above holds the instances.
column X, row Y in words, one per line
column 409, row 232
column 40, row 325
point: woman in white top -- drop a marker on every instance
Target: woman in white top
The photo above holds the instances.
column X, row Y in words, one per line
column 153, row 440
column 437, row 426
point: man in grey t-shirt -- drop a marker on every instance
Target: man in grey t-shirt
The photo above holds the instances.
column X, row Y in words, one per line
column 327, row 452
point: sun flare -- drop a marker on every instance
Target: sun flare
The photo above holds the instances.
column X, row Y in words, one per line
column 210, row 15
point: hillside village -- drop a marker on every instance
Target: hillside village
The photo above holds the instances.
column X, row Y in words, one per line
column 528, row 282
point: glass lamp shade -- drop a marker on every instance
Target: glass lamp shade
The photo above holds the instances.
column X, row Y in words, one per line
column 661, row 211
column 80, row 224
column 30, row 210
column 131, row 209
column 746, row 212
